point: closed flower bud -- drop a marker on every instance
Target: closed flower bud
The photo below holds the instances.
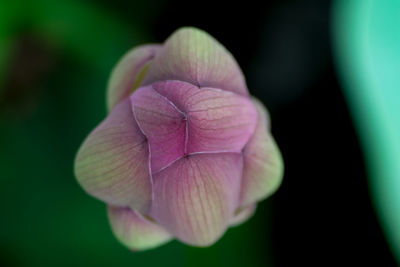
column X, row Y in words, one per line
column 184, row 152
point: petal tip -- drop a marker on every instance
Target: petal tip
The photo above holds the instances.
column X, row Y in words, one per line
column 192, row 55
column 264, row 168
column 129, row 73
column 134, row 230
column 242, row 215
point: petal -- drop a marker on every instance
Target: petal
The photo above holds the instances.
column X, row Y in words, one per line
column 195, row 197
column 135, row 231
column 263, row 164
column 129, row 72
column 162, row 123
column 193, row 56
column 243, row 214
column 218, row 121
column 113, row 165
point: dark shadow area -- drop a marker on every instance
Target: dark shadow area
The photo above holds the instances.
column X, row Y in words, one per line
column 322, row 214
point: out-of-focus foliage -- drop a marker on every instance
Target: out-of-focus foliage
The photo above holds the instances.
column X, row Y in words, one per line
column 367, row 39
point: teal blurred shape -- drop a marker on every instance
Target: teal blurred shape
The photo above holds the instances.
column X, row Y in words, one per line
column 366, row 36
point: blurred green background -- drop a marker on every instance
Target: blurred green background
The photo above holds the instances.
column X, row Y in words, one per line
column 55, row 59
column 313, row 63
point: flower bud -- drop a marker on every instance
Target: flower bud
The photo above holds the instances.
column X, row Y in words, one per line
column 185, row 152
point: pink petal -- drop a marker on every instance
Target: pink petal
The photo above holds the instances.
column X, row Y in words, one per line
column 129, row 73
column 135, row 231
column 243, row 214
column 195, row 197
column 220, row 121
column 217, row 120
column 263, row 165
column 162, row 123
column 112, row 164
column 193, row 56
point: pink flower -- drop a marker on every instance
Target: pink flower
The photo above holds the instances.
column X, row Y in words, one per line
column 185, row 152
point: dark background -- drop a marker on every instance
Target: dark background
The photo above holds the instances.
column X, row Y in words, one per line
column 54, row 93
column 322, row 214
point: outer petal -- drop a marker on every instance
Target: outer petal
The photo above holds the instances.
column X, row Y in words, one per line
column 162, row 123
column 193, row 56
column 195, row 197
column 263, row 165
column 217, row 120
column 135, row 231
column 129, row 73
column 113, row 162
column 243, row 214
